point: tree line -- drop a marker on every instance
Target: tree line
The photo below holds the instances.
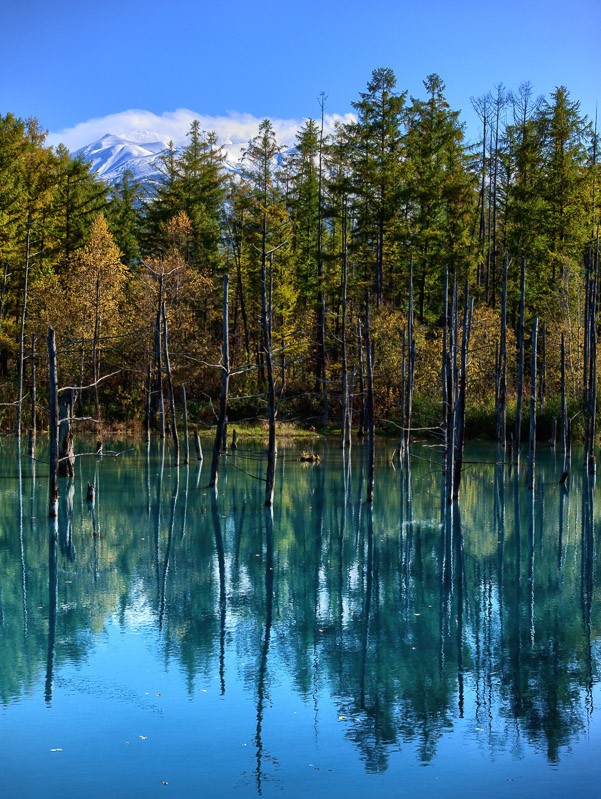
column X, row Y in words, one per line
column 386, row 205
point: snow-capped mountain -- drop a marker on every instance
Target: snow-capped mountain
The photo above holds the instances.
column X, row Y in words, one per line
column 112, row 155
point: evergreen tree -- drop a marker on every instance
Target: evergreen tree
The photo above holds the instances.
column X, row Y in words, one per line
column 376, row 143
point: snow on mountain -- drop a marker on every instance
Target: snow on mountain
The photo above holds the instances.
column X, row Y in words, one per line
column 112, row 155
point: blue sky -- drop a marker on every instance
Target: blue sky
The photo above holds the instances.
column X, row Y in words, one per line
column 70, row 62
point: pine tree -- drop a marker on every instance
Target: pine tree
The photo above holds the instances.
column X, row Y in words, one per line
column 376, row 144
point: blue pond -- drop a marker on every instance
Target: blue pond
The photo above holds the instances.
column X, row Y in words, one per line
column 171, row 640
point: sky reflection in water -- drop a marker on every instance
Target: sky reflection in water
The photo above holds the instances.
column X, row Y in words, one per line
column 166, row 634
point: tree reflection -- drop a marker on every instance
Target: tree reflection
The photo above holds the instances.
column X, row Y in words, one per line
column 406, row 614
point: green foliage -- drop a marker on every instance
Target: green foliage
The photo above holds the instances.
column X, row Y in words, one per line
column 396, row 184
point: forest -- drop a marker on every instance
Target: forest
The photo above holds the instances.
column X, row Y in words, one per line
column 395, row 213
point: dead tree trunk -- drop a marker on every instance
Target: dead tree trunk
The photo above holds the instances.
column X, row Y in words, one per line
column 197, row 444
column 3, row 293
column 158, row 390
column 344, row 421
column 321, row 316
column 468, row 310
column 95, row 360
column 445, row 371
column 272, row 445
column 517, row 437
column 564, row 403
column 410, row 368
column 501, row 410
column 186, row 438
column 53, row 426
column 225, row 379
column 22, row 330
column 147, row 406
column 452, row 383
column 370, row 405
column 66, row 463
column 170, row 389
column 362, row 425
column 532, row 445
column 32, row 429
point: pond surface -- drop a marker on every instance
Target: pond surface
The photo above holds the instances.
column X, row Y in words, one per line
column 170, row 640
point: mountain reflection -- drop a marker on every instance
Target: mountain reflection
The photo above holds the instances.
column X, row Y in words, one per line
column 410, row 615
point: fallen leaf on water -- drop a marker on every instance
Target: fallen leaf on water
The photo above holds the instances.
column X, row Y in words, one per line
column 56, row 750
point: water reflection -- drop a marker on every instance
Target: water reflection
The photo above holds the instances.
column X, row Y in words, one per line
column 410, row 615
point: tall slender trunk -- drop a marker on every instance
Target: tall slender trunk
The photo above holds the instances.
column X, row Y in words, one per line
column 344, row 423
column 95, row 363
column 468, row 310
column 22, row 330
column 32, row 429
column 321, row 313
column 532, row 445
column 170, row 389
column 53, row 426
column 501, row 414
column 370, row 404
column 225, row 378
column 186, row 437
column 517, row 438
column 158, row 355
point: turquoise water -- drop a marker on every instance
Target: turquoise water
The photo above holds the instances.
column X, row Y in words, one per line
column 166, row 634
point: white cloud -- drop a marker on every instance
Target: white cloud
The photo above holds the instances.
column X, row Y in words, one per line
column 144, row 126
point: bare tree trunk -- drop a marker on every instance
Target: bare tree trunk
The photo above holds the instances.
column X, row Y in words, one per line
column 501, row 421
column 445, row 371
column 321, row 316
column 197, row 444
column 95, row 364
column 468, row 310
column 225, row 378
column 532, row 446
column 66, row 463
column 517, row 438
column 186, row 438
column 53, row 426
column 3, row 293
column 32, row 429
column 266, row 320
column 170, row 389
column 370, row 405
column 410, row 365
column 361, row 430
column 344, row 421
column 158, row 392
column 564, row 403
column 22, row 330
column 147, row 410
